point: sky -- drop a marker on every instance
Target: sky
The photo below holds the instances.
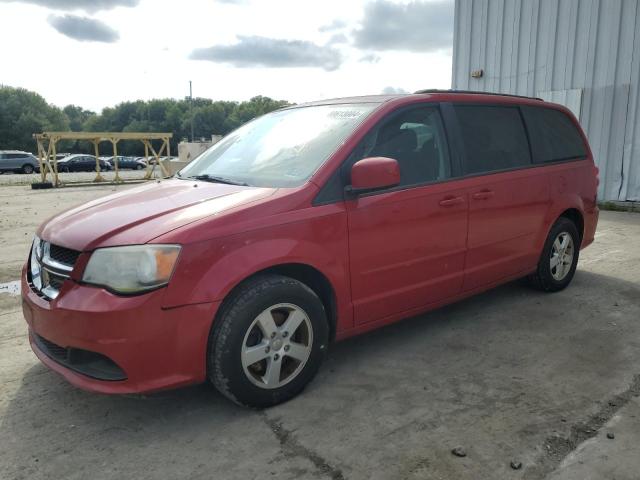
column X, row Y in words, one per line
column 97, row 53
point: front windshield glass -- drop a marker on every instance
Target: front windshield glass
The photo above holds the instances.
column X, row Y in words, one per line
column 280, row 149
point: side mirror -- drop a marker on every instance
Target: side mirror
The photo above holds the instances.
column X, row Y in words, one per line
column 374, row 173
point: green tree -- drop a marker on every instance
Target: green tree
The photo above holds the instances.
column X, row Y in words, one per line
column 23, row 113
column 77, row 116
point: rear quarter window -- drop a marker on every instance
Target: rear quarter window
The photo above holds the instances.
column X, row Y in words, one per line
column 554, row 136
column 494, row 138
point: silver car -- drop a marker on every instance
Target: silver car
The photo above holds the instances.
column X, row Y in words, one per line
column 18, row 162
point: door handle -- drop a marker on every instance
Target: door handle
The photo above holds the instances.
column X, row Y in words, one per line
column 451, row 201
column 483, row 195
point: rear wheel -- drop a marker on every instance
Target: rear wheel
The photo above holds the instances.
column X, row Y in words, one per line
column 559, row 259
column 28, row 169
column 268, row 341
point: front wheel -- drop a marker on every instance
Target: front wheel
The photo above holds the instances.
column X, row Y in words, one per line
column 268, row 341
column 28, row 169
column 559, row 259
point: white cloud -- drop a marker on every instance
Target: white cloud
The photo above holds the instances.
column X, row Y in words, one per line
column 418, row 26
column 271, row 52
column 86, row 5
column 393, row 90
column 83, row 29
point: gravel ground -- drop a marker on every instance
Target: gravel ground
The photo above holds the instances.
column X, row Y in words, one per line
column 7, row 179
column 512, row 375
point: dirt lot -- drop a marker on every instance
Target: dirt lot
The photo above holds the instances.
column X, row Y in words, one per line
column 510, row 375
column 14, row 179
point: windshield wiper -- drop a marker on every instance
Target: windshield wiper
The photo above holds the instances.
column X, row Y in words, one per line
column 216, row 179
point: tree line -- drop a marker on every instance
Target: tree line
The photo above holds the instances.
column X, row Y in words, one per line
column 23, row 112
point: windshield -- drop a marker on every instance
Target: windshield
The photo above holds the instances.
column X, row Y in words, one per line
column 280, row 149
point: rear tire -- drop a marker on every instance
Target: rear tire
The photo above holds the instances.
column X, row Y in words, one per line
column 267, row 342
column 559, row 258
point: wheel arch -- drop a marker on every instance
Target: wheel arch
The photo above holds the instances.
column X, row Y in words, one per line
column 567, row 206
column 577, row 218
column 306, row 274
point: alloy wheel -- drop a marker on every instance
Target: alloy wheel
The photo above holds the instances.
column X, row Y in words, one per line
column 561, row 259
column 277, row 345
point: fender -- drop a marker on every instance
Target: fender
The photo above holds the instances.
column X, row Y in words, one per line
column 211, row 269
column 560, row 203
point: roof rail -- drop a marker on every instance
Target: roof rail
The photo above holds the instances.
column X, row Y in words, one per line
column 476, row 92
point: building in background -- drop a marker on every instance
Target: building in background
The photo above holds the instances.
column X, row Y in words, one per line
column 584, row 54
column 188, row 151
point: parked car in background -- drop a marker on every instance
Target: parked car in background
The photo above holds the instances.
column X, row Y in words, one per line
column 309, row 224
column 18, row 162
column 152, row 160
column 81, row 163
column 129, row 163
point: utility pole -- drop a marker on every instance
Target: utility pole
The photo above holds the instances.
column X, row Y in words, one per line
column 191, row 108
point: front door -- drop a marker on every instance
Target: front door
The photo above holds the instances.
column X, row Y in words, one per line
column 407, row 244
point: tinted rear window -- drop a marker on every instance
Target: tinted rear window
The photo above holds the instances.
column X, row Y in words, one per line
column 554, row 137
column 494, row 138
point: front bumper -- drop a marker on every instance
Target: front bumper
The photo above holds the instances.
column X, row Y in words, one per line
column 156, row 348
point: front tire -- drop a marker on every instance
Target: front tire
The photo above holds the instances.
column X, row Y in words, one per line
column 28, row 169
column 559, row 258
column 268, row 341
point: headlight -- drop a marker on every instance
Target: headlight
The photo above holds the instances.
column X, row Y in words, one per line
column 131, row 269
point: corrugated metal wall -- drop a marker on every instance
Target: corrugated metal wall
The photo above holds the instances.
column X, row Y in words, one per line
column 546, row 47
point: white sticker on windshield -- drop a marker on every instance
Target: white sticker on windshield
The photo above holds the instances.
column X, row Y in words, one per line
column 345, row 114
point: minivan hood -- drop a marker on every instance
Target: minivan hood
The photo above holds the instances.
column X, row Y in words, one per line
column 143, row 213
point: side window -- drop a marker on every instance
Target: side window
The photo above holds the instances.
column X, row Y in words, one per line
column 554, row 136
column 494, row 138
column 415, row 139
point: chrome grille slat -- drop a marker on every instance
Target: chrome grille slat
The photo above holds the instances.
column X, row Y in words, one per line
column 48, row 269
column 55, row 271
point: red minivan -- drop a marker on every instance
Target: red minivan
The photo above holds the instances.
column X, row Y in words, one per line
column 305, row 226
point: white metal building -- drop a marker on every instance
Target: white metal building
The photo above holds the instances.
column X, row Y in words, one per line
column 584, row 54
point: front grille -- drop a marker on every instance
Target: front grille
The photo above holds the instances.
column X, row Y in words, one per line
column 63, row 255
column 56, row 280
column 91, row 364
column 49, row 266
